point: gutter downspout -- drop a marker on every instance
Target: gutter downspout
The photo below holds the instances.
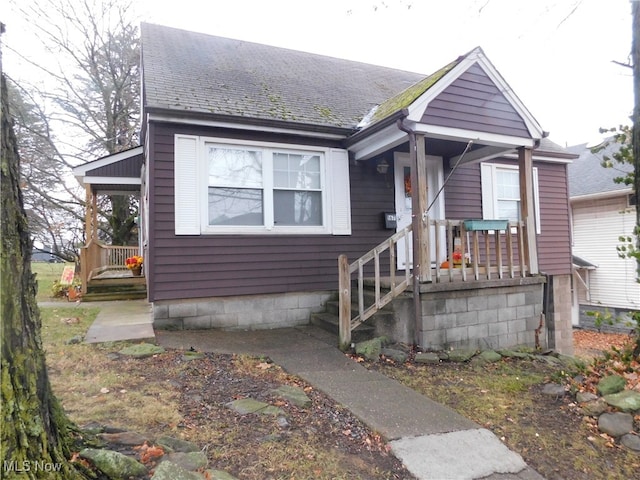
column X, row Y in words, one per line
column 416, row 225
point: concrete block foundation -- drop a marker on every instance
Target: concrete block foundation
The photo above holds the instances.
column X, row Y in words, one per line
column 482, row 315
column 247, row 312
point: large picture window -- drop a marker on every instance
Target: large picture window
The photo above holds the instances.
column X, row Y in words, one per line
column 254, row 187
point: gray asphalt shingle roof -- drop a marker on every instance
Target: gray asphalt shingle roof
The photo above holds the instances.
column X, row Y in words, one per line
column 188, row 71
column 587, row 175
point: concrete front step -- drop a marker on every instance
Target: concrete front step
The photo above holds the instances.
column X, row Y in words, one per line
column 116, row 295
column 331, row 323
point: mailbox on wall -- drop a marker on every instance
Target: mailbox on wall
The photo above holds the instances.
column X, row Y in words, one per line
column 390, row 220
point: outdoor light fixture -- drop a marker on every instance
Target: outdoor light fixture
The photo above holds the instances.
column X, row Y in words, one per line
column 382, row 167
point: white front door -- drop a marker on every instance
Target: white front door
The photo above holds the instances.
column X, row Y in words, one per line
column 402, row 180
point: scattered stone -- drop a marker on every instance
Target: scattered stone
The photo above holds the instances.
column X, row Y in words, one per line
column 283, row 422
column 70, row 320
column 104, row 390
column 594, row 407
column 611, row 384
column 113, row 464
column 170, row 471
column 92, row 428
column 370, row 349
column 189, row 355
column 615, row 424
column 294, row 395
column 631, row 441
column 113, row 355
column 245, row 406
column 219, row 475
column 171, row 444
column 427, row 357
column 461, row 355
column 187, row 460
column 583, row 397
column 627, row 400
column 142, row 350
column 75, row 340
column 553, row 390
column 490, row 356
column 571, row 362
column 123, row 438
column 397, row 356
column 513, row 354
column 549, row 359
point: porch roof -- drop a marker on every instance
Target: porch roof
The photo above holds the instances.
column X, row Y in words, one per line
column 467, row 102
column 117, row 173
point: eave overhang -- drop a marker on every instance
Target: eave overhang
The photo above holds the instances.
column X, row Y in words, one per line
column 154, row 114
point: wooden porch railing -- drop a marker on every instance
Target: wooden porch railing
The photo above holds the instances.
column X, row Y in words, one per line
column 458, row 251
column 347, row 324
column 96, row 258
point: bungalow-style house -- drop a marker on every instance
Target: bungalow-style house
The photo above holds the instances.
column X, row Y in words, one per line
column 602, row 211
column 275, row 182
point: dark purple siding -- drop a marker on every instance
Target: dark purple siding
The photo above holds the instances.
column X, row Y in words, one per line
column 463, row 200
column 474, row 102
column 554, row 244
column 220, row 265
column 129, row 167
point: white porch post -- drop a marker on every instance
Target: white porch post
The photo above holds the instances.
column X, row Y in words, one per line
column 527, row 208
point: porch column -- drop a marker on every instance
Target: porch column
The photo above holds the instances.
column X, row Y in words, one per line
column 90, row 214
column 421, row 256
column 527, row 208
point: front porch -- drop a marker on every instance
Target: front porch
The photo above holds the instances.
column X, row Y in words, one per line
column 457, row 256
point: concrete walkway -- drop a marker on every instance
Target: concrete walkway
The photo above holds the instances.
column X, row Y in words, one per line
column 432, row 441
column 119, row 320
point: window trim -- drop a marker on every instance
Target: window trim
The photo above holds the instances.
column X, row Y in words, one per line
column 268, row 189
column 489, row 190
column 192, row 182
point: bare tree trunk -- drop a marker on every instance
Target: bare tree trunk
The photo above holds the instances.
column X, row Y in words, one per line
column 35, row 433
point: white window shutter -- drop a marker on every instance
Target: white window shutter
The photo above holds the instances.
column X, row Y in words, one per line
column 488, row 200
column 339, row 191
column 187, row 189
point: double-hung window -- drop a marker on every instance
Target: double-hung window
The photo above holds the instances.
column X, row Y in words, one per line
column 252, row 187
column 501, row 192
column 235, row 186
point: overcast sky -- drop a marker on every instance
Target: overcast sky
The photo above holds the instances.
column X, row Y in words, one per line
column 557, row 55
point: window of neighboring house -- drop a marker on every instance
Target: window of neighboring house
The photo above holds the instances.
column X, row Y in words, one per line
column 501, row 192
column 258, row 187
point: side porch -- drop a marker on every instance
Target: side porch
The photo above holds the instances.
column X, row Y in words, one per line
column 103, row 268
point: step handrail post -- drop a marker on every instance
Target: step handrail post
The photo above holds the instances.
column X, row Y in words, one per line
column 344, row 286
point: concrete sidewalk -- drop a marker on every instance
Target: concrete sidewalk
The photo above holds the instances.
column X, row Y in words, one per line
column 432, row 441
column 120, row 320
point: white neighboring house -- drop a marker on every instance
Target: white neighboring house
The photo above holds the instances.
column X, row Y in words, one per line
column 602, row 211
